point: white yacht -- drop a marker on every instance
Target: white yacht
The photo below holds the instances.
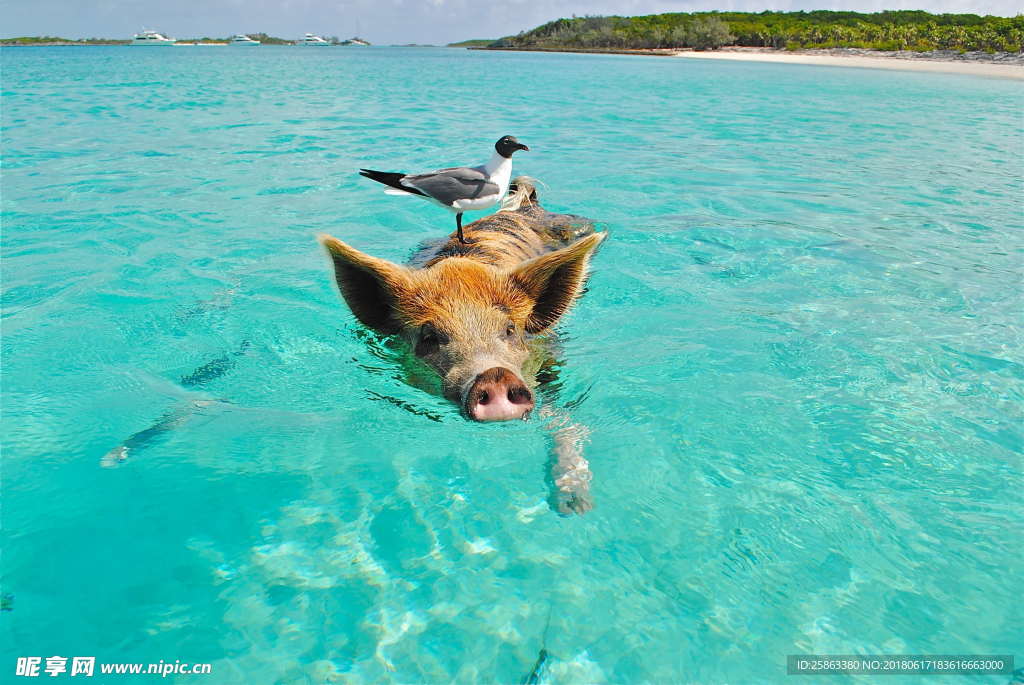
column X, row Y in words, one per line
column 310, row 39
column 242, row 39
column 148, row 37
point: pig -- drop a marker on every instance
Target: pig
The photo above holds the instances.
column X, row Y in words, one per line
column 478, row 314
column 471, row 312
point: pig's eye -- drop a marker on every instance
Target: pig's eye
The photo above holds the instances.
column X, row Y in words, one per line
column 510, row 329
column 430, row 338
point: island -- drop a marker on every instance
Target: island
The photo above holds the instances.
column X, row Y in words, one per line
column 904, row 31
column 474, row 43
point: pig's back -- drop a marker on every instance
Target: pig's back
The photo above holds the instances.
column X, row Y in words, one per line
column 507, row 238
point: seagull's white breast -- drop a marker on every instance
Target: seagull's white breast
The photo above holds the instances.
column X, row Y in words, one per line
column 477, row 203
column 499, row 169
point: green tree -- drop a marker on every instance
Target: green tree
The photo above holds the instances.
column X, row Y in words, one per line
column 709, row 32
column 892, row 30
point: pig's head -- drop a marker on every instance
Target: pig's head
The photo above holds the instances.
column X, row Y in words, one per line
column 469, row 321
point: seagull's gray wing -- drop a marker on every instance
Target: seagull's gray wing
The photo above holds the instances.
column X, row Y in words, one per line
column 448, row 185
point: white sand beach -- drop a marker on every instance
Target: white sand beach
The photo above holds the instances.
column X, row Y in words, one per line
column 1012, row 71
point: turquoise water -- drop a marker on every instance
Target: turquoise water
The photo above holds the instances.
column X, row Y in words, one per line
column 799, row 365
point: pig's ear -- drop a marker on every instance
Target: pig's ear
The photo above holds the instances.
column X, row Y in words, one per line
column 371, row 286
column 555, row 280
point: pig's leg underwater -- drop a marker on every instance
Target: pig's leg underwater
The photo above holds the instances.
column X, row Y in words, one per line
column 569, row 470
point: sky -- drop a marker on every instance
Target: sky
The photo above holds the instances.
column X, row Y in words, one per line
column 384, row 22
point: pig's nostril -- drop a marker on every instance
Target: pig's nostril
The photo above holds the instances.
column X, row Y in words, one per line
column 519, row 395
column 497, row 395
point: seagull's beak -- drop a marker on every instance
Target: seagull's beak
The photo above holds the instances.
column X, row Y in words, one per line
column 520, row 146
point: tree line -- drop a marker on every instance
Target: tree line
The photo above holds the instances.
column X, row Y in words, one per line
column 892, row 30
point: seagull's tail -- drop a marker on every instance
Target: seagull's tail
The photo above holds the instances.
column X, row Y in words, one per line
column 389, row 178
column 522, row 192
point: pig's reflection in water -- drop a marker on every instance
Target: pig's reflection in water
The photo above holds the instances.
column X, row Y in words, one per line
column 479, row 316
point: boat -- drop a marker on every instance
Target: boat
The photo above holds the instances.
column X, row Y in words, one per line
column 355, row 41
column 310, row 39
column 242, row 39
column 148, row 37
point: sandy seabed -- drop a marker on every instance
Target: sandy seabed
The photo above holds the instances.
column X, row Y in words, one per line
column 1012, row 71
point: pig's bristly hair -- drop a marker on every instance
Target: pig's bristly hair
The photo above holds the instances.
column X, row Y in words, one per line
column 555, row 280
column 522, row 193
column 442, row 292
column 509, row 267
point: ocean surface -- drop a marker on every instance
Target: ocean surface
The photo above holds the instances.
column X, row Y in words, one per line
column 799, row 364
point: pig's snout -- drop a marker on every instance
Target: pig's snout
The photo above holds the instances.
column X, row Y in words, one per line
column 498, row 395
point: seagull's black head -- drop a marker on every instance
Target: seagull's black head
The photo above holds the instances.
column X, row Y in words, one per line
column 507, row 145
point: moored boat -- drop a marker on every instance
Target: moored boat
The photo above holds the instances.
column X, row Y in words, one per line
column 312, row 40
column 148, row 37
column 242, row 39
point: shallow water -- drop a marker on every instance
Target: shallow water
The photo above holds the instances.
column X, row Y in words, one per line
column 798, row 362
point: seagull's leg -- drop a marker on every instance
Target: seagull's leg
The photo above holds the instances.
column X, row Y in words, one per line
column 458, row 222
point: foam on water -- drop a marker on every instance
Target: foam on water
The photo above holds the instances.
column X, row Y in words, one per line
column 798, row 364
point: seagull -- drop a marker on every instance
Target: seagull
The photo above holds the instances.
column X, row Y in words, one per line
column 459, row 189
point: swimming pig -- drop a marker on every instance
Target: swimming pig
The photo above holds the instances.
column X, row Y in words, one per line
column 476, row 313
